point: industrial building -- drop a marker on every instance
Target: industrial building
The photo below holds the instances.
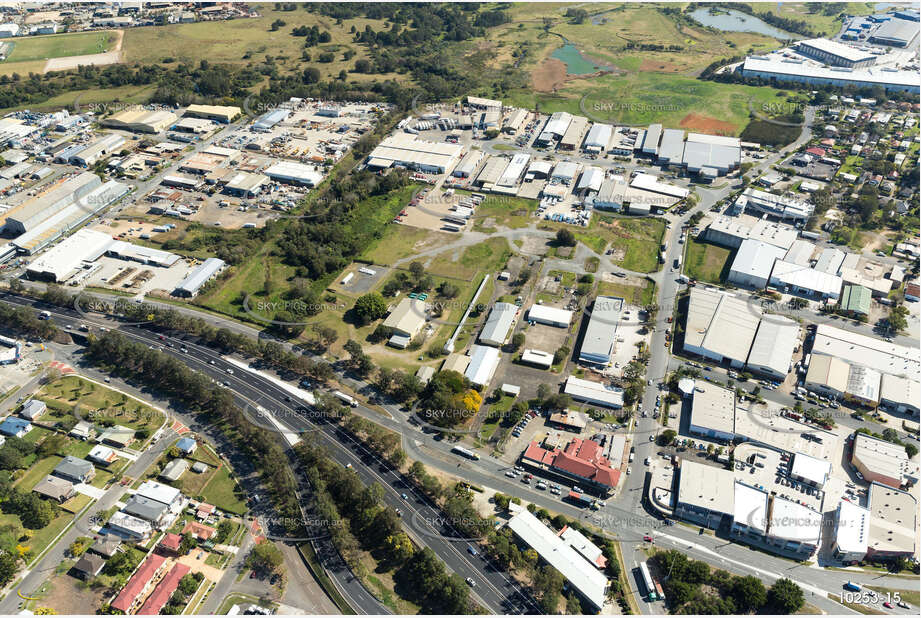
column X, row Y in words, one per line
column 469, row 164
column 565, row 172
column 572, row 138
column 720, row 327
column 836, row 54
column 598, row 138
column 753, row 264
column 62, row 261
column 141, row 120
column 511, row 177
column 554, row 130
column 589, row 583
column 594, row 393
column 784, row 208
column 407, row 151
column 899, row 394
column 779, row 69
column 590, row 181
column 810, row 470
column 544, row 360
column 515, row 121
column 552, row 316
column 224, row 114
column 59, row 200
column 896, row 33
column 246, row 184
column 671, row 148
column 711, row 155
column 267, row 121
column 492, row 171
column 852, row 531
column 793, row 527
column 202, row 273
column 139, row 253
column 651, row 140
column 882, row 462
column 713, row 412
column 855, row 348
column 483, row 363
column 598, row 341
column 498, row 324
column 104, row 146
column 581, row 460
column 797, row 279
column 772, row 350
column 893, row 523
column 855, row 301
column 291, row 172
column 706, row 494
column 406, row 321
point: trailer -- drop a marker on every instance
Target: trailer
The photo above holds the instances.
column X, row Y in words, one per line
column 651, row 593
column 460, row 450
column 346, row 399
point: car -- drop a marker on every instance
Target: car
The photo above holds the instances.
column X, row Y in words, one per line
column 470, row 582
column 651, row 437
column 108, row 379
column 212, row 362
column 348, row 466
column 404, row 496
column 399, row 512
column 472, row 550
column 887, row 604
column 903, row 604
column 184, row 350
column 647, row 538
column 229, row 370
column 510, row 474
column 628, row 471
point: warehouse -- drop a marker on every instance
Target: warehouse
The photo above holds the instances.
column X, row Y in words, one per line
column 611, row 194
column 896, row 33
column 778, row 69
column 37, row 209
column 713, row 412
column 863, row 385
column 880, row 461
column 591, row 180
column 196, row 126
column 481, row 103
column 716, row 153
column 706, row 494
column 544, row 360
column 827, row 376
column 591, row 584
column 750, row 512
column 594, row 393
column 810, row 470
column 893, row 523
column 538, row 170
column 855, row 348
column 291, row 172
column 14, row 130
column 515, row 170
column 651, row 140
column 900, row 394
column 552, row 316
column 572, row 139
column 491, row 172
column 246, row 184
column 794, row 527
column 830, row 260
column 598, row 138
column 515, row 121
column 144, row 255
column 183, row 182
column 720, row 327
column 565, row 172
column 671, row 149
column 598, row 341
column 836, row 54
column 141, row 120
column 267, row 121
column 852, row 531
column 408, row 151
column 753, row 264
column 498, row 324
column 483, row 363
column 732, row 231
column 773, row 348
column 406, row 321
column 102, row 147
column 855, row 301
column 648, row 182
column 68, row 256
column 469, row 164
column 203, row 273
column 555, row 128
column 218, row 113
column 9, row 30
column 796, row 279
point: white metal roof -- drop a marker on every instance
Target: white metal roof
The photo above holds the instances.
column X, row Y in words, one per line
column 756, row 258
column 591, row 583
column 811, row 468
column 294, row 171
column 707, row 487
column 774, row 344
column 860, row 349
column 591, row 179
column 537, row 357
column 483, row 363
column 874, row 76
column 900, row 390
column 713, row 408
column 791, row 521
column 66, row 257
column 158, row 492
column 852, row 531
column 201, row 274
column 594, row 392
column 599, row 136
column 598, row 341
column 546, row 313
column 515, row 169
column 794, row 275
column 838, row 49
column 721, row 324
column 498, row 324
column 648, row 182
column 750, row 507
column 830, row 260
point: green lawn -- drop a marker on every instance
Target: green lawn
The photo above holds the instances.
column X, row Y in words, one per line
column 487, row 256
column 37, row 472
column 502, row 211
column 220, row 492
column 632, row 294
column 400, row 241
column 707, row 262
column 43, row 537
column 32, row 48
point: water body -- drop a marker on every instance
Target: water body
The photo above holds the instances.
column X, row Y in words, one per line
column 880, row 7
column 736, row 21
column 576, row 63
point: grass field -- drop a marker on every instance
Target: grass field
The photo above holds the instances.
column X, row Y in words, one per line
column 632, row 294
column 487, row 256
column 32, row 48
column 400, row 241
column 220, row 492
column 823, row 24
column 707, row 262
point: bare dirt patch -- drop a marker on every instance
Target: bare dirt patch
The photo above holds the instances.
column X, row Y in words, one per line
column 549, row 75
column 656, row 66
column 699, row 122
column 67, row 595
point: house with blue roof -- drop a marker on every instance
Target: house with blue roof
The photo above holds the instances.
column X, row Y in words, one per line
column 13, row 426
column 187, row 445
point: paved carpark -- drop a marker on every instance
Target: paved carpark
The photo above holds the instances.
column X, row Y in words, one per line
column 544, row 337
column 524, row 376
column 161, row 278
column 361, row 283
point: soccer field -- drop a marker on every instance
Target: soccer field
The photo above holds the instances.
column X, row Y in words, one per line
column 26, row 49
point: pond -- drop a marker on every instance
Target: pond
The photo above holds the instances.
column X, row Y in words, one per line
column 736, row 21
column 576, row 63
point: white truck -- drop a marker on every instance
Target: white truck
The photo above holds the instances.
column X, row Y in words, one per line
column 346, row 399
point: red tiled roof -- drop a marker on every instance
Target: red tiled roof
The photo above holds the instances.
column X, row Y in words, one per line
column 163, row 591
column 171, row 541
column 816, row 151
column 201, row 531
column 913, row 289
column 581, row 458
column 538, row 454
column 137, row 582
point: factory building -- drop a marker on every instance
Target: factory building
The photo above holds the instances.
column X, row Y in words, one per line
column 796, row 279
column 711, row 155
column 671, row 149
column 554, row 130
column 102, row 147
column 706, row 494
column 594, row 393
column 836, row 54
column 33, row 211
column 598, row 138
column 141, row 120
column 552, row 316
column 469, row 164
column 900, row 394
column 498, row 324
column 515, row 121
column 781, row 70
column 483, row 363
column 291, row 172
column 772, row 350
column 202, row 273
column 720, row 327
column 62, row 261
column 882, row 462
column 267, row 121
column 572, row 138
column 852, row 531
column 407, row 151
column 219, row 113
column 246, row 184
column 491, row 172
column 896, row 33
column 753, row 263
column 731, row 232
column 893, row 523
column 514, row 171
column 857, row 349
column 713, row 413
column 598, row 342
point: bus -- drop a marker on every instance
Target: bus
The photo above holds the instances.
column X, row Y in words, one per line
column 451, row 228
column 460, row 450
column 647, row 581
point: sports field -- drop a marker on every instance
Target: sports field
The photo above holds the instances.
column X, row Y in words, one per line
column 32, row 48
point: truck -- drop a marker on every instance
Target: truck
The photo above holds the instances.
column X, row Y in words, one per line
column 678, row 262
column 651, row 592
column 683, row 278
column 852, row 587
column 346, row 399
column 460, row 450
column 579, row 499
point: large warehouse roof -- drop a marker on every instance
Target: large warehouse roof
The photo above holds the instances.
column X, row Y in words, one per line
column 852, row 531
column 774, row 344
column 594, row 392
column 407, row 150
column 713, row 409
column 859, row 349
column 549, row 315
column 67, row 256
column 498, row 324
column 720, row 324
column 810, row 468
column 483, row 363
column 803, row 71
column 881, row 457
column 591, row 583
column 648, row 182
column 140, row 119
column 796, row 276
column 599, row 136
column 755, row 259
column 893, row 520
column 198, row 277
column 292, row 171
column 706, row 487
column 751, row 507
column 598, row 341
column 34, row 210
column 829, row 372
column 851, row 54
column 791, row 521
column 719, row 152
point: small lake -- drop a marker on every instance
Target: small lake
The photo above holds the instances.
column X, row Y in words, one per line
column 736, row 21
column 576, row 63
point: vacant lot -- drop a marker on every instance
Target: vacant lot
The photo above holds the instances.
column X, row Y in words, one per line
column 26, row 49
column 706, row 261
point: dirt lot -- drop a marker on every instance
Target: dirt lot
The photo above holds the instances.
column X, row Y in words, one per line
column 549, row 75
column 66, row 596
column 705, row 124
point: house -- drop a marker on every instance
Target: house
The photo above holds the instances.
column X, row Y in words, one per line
column 81, row 430
column 107, row 545
column 89, row 566
column 55, row 488
column 174, row 470
column 199, row 531
column 146, row 509
column 12, row 426
column 75, row 469
column 129, row 526
column 102, row 455
column 32, row 409
column 199, row 466
column 170, row 543
column 187, row 446
column 117, row 436
column 204, row 511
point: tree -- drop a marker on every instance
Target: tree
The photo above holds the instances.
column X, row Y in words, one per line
column 785, row 597
column 898, row 321
column 517, row 341
column 911, row 450
column 8, row 567
column 565, row 238
column 264, row 556
column 667, row 437
column 370, row 307
column 748, row 593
